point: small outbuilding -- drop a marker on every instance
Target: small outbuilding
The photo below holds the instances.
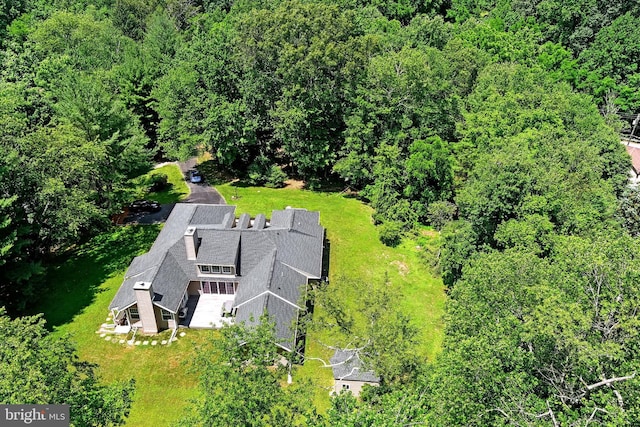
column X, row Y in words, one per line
column 348, row 373
column 633, row 150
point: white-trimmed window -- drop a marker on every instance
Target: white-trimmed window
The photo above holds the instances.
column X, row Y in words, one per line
column 225, row 288
column 216, row 269
column 133, row 313
column 166, row 315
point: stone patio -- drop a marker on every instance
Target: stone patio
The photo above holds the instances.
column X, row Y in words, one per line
column 205, row 311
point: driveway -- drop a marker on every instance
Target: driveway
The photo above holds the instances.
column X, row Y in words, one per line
column 150, row 217
column 200, row 193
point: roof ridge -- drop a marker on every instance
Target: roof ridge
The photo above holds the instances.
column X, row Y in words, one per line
column 297, row 270
column 274, row 252
column 251, row 299
column 155, row 265
column 283, row 299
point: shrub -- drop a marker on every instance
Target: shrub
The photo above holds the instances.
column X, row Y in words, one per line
column 255, row 174
column 440, row 213
column 390, row 233
column 262, row 172
column 159, row 182
column 276, row 177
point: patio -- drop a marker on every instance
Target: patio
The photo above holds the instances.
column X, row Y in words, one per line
column 205, row 311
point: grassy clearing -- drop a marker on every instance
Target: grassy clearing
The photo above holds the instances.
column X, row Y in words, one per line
column 83, row 282
column 176, row 190
column 356, row 252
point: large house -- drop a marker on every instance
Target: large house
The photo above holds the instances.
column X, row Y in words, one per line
column 208, row 267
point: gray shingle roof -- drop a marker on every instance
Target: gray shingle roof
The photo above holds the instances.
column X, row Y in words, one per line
column 348, row 366
column 250, row 312
column 284, row 315
column 259, row 222
column 287, row 283
column 169, row 284
column 210, row 214
column 273, row 263
column 256, row 282
column 243, row 221
column 218, row 247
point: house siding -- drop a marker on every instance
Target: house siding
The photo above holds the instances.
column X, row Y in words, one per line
column 162, row 324
column 194, row 288
column 355, row 387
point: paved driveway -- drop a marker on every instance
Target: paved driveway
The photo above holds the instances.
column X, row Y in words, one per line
column 200, row 193
column 150, row 217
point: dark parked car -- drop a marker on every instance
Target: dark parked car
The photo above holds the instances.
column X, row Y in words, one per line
column 144, row 206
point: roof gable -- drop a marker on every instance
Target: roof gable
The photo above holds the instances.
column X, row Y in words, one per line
column 348, row 366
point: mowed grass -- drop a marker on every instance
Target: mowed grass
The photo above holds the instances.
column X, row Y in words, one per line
column 82, row 283
column 356, row 253
column 176, row 190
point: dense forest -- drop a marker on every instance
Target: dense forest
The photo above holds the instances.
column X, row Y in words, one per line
column 496, row 121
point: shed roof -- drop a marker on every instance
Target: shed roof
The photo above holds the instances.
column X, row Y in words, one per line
column 347, row 366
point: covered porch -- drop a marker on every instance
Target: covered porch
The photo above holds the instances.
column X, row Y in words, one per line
column 208, row 311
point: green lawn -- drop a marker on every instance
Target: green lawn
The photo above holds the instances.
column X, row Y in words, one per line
column 83, row 282
column 175, row 191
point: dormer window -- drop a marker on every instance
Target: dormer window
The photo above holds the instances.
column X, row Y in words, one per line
column 216, row 269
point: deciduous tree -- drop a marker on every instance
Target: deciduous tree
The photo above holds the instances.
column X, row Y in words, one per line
column 38, row 368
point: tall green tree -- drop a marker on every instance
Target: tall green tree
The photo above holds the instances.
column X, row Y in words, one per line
column 537, row 341
column 240, row 382
column 10, row 10
column 572, row 23
column 80, row 39
column 38, row 368
column 381, row 333
column 84, row 101
column 611, row 62
column 295, row 62
column 130, row 16
column 405, row 96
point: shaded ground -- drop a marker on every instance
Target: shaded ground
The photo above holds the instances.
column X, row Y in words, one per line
column 74, row 281
column 150, row 217
column 199, row 193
